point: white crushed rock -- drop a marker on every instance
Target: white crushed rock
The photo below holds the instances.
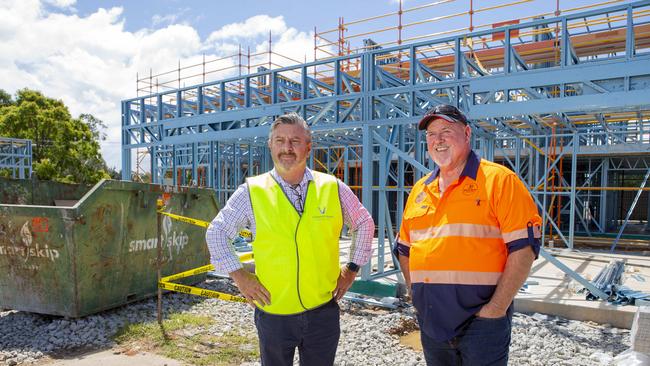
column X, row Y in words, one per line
column 537, row 339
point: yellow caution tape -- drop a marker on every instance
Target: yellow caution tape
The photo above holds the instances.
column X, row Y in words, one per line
column 191, row 272
column 166, row 284
column 246, row 257
column 207, row 268
column 199, row 291
column 188, row 220
column 244, row 233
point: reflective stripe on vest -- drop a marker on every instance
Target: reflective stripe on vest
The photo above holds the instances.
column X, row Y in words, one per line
column 296, row 257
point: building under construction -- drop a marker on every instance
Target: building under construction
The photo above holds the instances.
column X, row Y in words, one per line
column 561, row 98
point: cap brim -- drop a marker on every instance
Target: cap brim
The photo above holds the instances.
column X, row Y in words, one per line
column 424, row 122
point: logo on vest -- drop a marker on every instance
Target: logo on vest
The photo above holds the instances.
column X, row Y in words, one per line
column 420, row 197
column 322, row 215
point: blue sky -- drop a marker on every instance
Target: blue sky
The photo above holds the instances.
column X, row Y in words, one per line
column 87, row 52
column 207, row 16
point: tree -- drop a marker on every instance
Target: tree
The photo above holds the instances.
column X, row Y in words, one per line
column 5, row 98
column 65, row 149
column 96, row 126
column 114, row 173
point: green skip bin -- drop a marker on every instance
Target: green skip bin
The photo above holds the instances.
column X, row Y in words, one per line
column 74, row 250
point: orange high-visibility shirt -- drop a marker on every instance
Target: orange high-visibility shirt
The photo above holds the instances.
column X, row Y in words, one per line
column 458, row 242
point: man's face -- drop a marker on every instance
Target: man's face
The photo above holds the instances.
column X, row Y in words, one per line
column 290, row 146
column 448, row 142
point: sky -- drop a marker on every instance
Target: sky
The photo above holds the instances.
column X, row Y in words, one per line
column 88, row 53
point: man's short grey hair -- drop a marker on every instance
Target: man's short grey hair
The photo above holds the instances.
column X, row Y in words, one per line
column 290, row 119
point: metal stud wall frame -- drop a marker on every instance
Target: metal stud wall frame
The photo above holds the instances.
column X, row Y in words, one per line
column 560, row 101
column 16, row 157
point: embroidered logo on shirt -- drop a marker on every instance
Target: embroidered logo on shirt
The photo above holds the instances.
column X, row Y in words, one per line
column 420, row 197
column 322, row 210
column 470, row 188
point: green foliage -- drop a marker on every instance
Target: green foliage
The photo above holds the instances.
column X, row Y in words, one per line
column 96, row 126
column 64, row 149
column 5, row 98
column 45, row 169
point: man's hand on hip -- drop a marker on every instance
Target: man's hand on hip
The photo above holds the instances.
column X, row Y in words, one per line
column 346, row 277
column 251, row 287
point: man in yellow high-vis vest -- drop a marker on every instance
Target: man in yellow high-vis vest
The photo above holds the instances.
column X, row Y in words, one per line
column 296, row 216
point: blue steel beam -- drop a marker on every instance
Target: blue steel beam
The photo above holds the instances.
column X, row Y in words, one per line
column 16, row 157
column 506, row 99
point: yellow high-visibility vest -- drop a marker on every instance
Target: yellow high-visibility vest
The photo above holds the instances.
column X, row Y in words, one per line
column 296, row 257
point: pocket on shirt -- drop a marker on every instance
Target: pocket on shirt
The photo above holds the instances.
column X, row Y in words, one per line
column 417, row 210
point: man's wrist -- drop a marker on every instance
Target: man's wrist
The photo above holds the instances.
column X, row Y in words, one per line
column 353, row 267
column 238, row 273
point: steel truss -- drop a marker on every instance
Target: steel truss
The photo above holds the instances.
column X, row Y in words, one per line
column 16, row 157
column 562, row 101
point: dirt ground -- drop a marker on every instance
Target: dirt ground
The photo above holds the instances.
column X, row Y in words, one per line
column 113, row 357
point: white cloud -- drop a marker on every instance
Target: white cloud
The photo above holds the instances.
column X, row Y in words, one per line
column 91, row 62
column 61, row 3
column 160, row 19
column 173, row 18
column 253, row 27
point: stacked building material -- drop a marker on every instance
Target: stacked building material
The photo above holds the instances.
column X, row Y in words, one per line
column 608, row 280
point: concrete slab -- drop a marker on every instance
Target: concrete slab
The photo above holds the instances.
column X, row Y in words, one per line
column 557, row 294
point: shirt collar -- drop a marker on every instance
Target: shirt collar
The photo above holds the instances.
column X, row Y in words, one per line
column 305, row 178
column 470, row 169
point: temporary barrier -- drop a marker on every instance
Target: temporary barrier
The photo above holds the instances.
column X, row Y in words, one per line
column 165, row 283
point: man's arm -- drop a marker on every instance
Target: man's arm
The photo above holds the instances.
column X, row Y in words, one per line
column 233, row 217
column 362, row 228
column 519, row 220
column 404, row 266
column 515, row 273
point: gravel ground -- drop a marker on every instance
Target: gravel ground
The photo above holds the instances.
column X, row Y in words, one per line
column 366, row 338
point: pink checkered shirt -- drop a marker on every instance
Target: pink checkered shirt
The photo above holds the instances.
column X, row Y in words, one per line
column 237, row 214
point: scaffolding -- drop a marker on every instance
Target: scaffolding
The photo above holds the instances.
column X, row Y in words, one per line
column 562, row 101
column 240, row 63
column 414, row 24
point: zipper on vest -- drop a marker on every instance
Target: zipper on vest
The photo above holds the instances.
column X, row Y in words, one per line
column 295, row 240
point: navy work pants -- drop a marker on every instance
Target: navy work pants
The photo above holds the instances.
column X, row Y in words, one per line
column 482, row 342
column 315, row 332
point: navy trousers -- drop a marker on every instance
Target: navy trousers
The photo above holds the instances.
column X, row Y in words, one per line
column 482, row 342
column 315, row 333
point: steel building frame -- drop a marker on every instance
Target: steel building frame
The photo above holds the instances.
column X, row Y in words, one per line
column 562, row 101
column 16, row 156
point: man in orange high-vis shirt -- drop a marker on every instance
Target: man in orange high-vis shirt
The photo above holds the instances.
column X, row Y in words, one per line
column 470, row 233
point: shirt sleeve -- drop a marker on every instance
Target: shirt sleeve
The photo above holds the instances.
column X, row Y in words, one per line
column 403, row 240
column 360, row 224
column 231, row 219
column 518, row 215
